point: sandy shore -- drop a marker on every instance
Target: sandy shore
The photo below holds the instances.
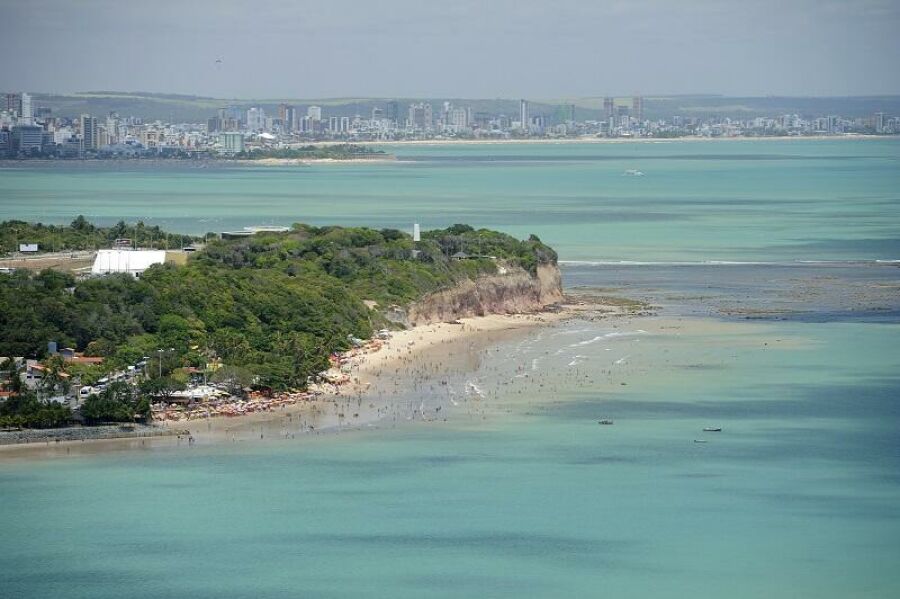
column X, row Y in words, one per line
column 310, row 161
column 347, row 407
column 591, row 139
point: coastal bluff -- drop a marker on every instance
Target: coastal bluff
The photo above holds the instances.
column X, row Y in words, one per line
column 514, row 290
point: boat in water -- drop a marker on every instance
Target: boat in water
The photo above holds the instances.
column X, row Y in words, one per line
column 700, row 441
column 633, row 173
column 712, row 429
column 605, row 422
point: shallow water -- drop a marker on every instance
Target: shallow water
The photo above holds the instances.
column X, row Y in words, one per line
column 716, row 200
column 520, row 492
column 524, row 494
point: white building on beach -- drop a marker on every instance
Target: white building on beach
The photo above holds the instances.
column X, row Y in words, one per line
column 132, row 262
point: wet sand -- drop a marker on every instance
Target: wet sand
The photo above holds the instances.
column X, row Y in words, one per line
column 412, row 363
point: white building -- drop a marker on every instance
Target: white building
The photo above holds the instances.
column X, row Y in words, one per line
column 231, row 142
column 314, row 113
column 256, row 119
column 133, row 262
column 27, row 116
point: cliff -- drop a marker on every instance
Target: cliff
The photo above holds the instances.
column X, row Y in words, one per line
column 513, row 291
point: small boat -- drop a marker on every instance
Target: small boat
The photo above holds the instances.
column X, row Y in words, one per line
column 713, row 429
column 700, row 441
column 633, row 173
column 606, row 422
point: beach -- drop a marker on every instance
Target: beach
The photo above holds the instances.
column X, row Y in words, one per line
column 365, row 399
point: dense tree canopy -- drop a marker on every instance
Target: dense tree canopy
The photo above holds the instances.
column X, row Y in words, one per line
column 82, row 235
column 273, row 305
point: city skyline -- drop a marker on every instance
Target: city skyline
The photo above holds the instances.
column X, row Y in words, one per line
column 410, row 49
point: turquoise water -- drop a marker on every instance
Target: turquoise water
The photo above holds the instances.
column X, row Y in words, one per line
column 797, row 497
column 522, row 493
column 714, row 200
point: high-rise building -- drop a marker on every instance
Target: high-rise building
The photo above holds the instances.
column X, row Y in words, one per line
column 314, row 113
column 879, row 122
column 377, row 113
column 345, row 124
column 231, row 142
column 14, row 103
column 27, row 138
column 26, row 116
column 256, row 119
column 523, row 113
column 102, row 136
column 609, row 109
column 392, row 111
column 112, row 128
column 637, row 108
column 89, row 139
column 420, row 116
column 287, row 115
column 459, row 118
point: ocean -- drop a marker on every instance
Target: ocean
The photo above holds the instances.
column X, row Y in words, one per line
column 773, row 269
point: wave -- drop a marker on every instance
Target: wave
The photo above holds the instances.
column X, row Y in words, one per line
column 875, row 262
column 473, row 389
column 613, row 335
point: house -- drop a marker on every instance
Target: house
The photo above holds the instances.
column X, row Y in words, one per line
column 34, row 373
column 70, row 355
column 460, row 256
column 123, row 261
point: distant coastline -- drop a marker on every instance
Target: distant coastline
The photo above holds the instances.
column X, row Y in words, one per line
column 387, row 158
column 589, row 139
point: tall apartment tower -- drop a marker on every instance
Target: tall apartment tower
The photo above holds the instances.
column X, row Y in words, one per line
column 14, row 103
column 420, row 116
column 26, row 114
column 637, row 108
column 609, row 107
column 287, row 115
column 89, row 140
column 523, row 113
column 392, row 112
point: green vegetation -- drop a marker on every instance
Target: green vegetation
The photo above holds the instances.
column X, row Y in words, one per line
column 23, row 409
column 120, row 402
column 272, row 307
column 82, row 235
column 334, row 152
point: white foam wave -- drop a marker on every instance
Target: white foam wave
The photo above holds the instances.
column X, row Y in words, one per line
column 473, row 389
column 726, row 262
column 613, row 335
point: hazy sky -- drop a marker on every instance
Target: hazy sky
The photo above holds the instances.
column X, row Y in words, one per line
column 452, row 48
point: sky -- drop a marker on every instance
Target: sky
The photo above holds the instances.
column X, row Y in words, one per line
column 452, row 48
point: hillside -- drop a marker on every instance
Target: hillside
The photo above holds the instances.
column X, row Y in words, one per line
column 276, row 305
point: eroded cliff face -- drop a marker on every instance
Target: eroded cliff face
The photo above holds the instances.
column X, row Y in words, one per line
column 515, row 291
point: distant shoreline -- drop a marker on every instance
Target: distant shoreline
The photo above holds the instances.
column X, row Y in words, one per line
column 587, row 139
column 390, row 158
